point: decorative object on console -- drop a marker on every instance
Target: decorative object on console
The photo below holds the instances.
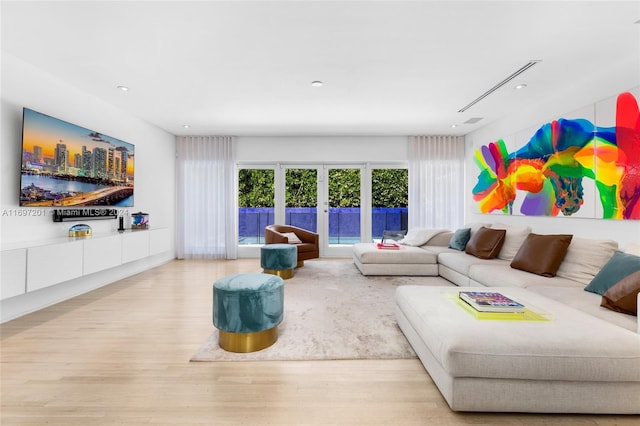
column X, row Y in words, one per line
column 485, row 243
column 140, row 220
column 121, row 224
column 542, row 254
column 80, row 230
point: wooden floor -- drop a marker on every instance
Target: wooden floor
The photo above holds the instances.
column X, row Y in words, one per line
column 120, row 356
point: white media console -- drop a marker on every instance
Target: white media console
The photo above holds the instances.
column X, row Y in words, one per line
column 31, row 266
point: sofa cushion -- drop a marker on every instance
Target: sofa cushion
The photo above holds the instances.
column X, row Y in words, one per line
column 589, row 303
column 541, row 254
column 618, row 267
column 486, row 243
column 513, row 239
column 460, row 239
column 369, row 253
column 573, row 346
column 462, row 262
column 623, row 296
column 493, row 275
column 585, row 257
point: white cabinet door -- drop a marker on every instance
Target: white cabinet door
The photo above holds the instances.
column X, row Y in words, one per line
column 101, row 254
column 159, row 241
column 14, row 273
column 135, row 245
column 52, row 264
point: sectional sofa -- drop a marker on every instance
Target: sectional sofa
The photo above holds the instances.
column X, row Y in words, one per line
column 577, row 357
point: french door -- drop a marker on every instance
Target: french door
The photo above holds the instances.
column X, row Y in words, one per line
column 344, row 203
column 326, row 199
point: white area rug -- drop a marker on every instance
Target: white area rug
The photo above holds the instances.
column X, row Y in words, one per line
column 331, row 311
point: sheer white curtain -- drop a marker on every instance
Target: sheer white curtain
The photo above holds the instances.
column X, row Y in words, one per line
column 436, row 182
column 207, row 212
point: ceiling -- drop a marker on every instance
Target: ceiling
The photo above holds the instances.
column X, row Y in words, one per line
column 389, row 68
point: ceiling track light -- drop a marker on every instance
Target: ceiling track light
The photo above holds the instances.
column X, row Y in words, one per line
column 499, row 85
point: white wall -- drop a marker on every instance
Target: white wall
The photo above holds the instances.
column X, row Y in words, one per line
column 623, row 231
column 335, row 149
column 23, row 85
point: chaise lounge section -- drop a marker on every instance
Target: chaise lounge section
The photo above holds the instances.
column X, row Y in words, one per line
column 584, row 358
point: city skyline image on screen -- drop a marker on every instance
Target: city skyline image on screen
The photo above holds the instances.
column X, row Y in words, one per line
column 65, row 165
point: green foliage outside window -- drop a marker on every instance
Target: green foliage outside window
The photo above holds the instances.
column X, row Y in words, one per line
column 344, row 188
column 302, row 188
column 389, row 188
column 256, row 188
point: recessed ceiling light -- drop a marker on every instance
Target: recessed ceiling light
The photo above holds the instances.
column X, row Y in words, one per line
column 317, row 83
column 185, row 126
column 453, row 126
column 123, row 88
column 521, row 86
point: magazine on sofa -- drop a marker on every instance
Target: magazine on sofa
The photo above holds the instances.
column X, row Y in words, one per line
column 490, row 301
column 388, row 246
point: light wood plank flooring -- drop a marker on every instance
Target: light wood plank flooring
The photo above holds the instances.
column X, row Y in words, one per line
column 119, row 355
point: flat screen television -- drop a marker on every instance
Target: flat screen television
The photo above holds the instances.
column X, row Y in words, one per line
column 65, row 165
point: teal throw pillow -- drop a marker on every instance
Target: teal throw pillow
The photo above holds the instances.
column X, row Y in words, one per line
column 460, row 239
column 620, row 266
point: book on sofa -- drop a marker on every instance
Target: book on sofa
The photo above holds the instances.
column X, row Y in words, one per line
column 388, row 246
column 490, row 301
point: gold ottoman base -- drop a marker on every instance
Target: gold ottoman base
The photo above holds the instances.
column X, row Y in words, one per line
column 285, row 274
column 247, row 342
column 300, row 264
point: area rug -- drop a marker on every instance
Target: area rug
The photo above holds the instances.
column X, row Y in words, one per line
column 331, row 311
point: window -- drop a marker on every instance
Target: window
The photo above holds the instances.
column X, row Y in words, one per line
column 256, row 198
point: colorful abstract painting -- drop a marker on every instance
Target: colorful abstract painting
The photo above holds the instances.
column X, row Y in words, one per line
column 562, row 157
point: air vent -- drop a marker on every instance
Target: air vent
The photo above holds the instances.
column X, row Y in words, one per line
column 499, row 85
column 473, row 120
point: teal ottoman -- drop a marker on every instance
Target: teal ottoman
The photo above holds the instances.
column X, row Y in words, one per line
column 279, row 259
column 247, row 309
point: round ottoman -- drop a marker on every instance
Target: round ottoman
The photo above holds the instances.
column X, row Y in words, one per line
column 247, row 309
column 279, row 259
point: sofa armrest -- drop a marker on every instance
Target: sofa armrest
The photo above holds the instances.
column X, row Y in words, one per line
column 307, row 236
column 274, row 237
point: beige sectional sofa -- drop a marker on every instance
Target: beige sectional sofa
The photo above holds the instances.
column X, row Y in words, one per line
column 583, row 359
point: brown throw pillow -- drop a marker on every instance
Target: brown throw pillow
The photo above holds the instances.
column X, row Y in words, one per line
column 542, row 254
column 623, row 296
column 485, row 243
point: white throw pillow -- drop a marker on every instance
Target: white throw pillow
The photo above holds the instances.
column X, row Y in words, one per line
column 585, row 257
column 292, row 237
column 513, row 239
column 417, row 237
column 632, row 248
